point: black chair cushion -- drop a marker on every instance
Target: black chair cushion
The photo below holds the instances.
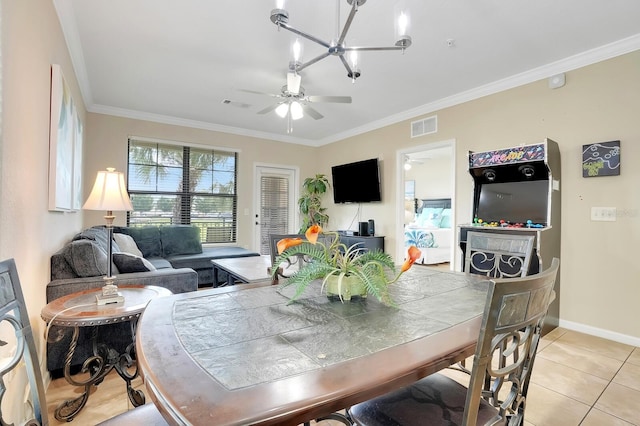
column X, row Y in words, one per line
column 434, row 400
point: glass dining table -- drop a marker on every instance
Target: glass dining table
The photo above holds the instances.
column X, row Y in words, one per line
column 243, row 354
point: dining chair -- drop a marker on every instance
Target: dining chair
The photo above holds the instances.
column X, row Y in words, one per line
column 498, row 255
column 293, row 264
column 20, row 352
column 505, row 353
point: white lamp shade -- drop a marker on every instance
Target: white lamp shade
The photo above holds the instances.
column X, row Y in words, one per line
column 296, row 110
column 282, row 110
column 109, row 192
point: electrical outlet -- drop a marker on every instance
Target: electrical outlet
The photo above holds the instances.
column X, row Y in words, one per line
column 603, row 214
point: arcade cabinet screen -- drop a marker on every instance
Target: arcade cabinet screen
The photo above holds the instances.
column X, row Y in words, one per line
column 514, row 202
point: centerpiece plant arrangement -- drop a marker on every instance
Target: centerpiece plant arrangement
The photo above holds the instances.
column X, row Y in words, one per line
column 345, row 271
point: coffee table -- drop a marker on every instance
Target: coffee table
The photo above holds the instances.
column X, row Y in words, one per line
column 241, row 269
column 80, row 310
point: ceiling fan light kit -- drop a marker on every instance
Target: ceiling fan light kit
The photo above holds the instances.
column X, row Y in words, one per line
column 280, row 17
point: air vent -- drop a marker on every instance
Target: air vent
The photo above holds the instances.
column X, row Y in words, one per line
column 424, row 127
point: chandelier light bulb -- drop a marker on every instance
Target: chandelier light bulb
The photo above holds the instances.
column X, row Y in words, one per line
column 297, row 50
column 403, row 24
column 282, row 110
column 279, row 4
column 353, row 58
column 296, row 111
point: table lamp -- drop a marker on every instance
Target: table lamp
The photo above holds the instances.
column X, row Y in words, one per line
column 109, row 193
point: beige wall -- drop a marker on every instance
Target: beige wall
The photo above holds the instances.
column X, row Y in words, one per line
column 600, row 273
column 31, row 41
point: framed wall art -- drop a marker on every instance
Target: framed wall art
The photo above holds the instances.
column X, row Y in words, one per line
column 601, row 159
column 65, row 147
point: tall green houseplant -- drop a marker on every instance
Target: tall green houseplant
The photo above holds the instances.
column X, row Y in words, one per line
column 310, row 203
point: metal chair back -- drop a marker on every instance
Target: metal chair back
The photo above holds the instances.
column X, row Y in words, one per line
column 293, row 264
column 498, row 255
column 18, row 349
column 511, row 329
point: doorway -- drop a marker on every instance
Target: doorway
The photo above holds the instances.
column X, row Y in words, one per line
column 425, row 174
column 275, row 203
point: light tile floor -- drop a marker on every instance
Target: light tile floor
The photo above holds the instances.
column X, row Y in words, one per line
column 577, row 380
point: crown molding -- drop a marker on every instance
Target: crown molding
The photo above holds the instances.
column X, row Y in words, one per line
column 176, row 121
column 580, row 60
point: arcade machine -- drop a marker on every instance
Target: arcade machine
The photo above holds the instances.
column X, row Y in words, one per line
column 517, row 191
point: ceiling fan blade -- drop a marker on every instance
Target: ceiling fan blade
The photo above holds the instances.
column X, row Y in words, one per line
column 268, row 109
column 312, row 112
column 334, row 99
column 255, row 92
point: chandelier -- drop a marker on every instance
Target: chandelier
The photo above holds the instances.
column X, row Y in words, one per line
column 280, row 17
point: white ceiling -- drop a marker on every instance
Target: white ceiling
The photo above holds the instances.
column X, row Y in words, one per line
column 176, row 61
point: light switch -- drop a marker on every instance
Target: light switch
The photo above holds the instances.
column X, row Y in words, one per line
column 603, row 214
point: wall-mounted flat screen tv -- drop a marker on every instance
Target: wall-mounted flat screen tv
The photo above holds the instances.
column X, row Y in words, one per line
column 357, row 182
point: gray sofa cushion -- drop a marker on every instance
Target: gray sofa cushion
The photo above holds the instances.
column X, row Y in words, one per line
column 180, row 239
column 203, row 260
column 60, row 268
column 86, row 258
column 159, row 262
column 99, row 235
column 147, row 238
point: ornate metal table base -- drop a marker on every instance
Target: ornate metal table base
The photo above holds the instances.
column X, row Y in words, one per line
column 103, row 360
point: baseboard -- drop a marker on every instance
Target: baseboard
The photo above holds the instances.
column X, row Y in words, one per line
column 599, row 332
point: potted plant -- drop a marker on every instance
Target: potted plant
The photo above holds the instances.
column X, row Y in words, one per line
column 345, row 271
column 310, row 203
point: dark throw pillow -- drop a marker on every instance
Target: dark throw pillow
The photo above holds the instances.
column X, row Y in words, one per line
column 127, row 263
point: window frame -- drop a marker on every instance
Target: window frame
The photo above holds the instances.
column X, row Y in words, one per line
column 223, row 230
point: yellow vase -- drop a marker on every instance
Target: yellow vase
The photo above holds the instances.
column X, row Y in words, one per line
column 350, row 286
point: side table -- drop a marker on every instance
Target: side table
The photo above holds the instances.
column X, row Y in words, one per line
column 243, row 269
column 80, row 310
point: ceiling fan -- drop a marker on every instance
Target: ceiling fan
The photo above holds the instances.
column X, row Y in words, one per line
column 293, row 103
column 408, row 161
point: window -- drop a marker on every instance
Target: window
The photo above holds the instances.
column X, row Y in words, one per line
column 171, row 184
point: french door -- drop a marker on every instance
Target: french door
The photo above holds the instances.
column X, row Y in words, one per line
column 276, row 204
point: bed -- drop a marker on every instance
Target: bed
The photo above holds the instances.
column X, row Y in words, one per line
column 431, row 230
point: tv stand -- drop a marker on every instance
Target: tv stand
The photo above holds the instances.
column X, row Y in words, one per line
column 368, row 242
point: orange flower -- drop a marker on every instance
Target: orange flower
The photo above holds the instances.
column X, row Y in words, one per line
column 286, row 243
column 312, row 233
column 414, row 254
